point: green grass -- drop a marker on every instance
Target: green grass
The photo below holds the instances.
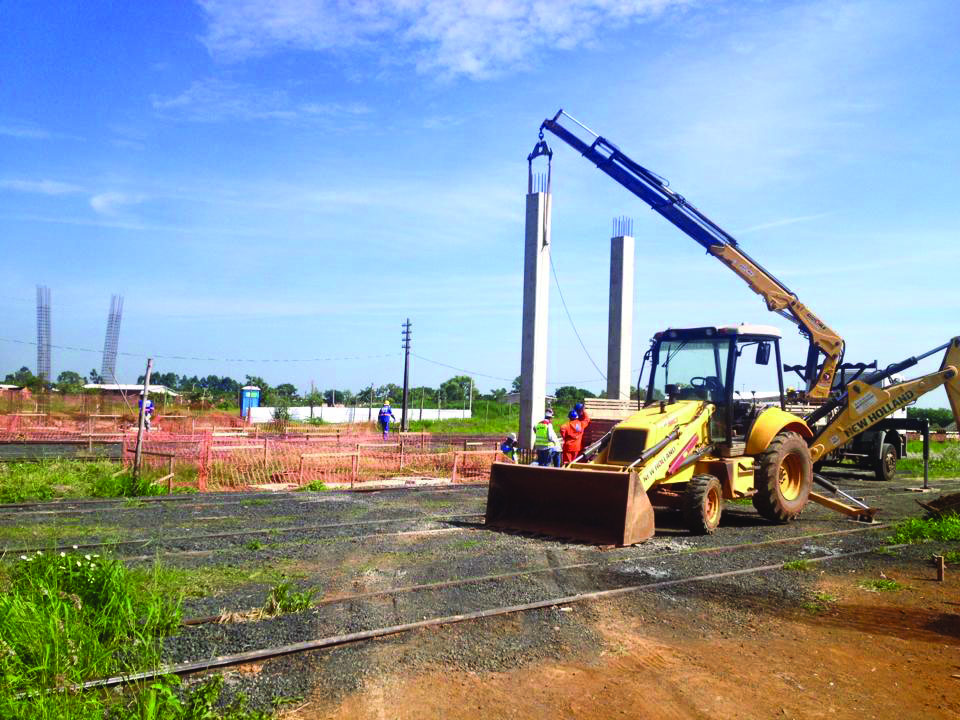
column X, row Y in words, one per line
column 881, row 585
column 915, row 447
column 53, row 479
column 283, row 599
column 890, row 552
column 466, row 544
column 798, row 565
column 918, row 530
column 487, row 417
column 254, row 545
column 741, row 501
column 69, row 617
column 820, row 603
column 50, row 535
column 315, row 486
column 943, row 464
column 951, row 557
column 209, row 579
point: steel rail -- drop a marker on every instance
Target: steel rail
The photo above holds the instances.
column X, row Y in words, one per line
column 336, row 640
column 208, row 619
column 288, row 496
column 112, row 503
column 238, row 533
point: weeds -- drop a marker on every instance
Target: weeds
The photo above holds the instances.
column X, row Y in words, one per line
column 204, row 581
column 52, row 479
column 67, row 618
column 798, row 565
column 820, row 603
column 889, row 552
column 951, row 557
column 315, row 486
column 943, row 464
column 466, row 544
column 917, row 530
column 162, row 701
column 254, row 545
column 881, row 585
column 282, row 599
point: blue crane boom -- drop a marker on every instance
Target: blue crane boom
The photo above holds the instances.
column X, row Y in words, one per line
column 654, row 191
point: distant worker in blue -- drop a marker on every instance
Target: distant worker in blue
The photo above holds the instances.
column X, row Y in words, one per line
column 510, row 447
column 385, row 417
column 146, row 410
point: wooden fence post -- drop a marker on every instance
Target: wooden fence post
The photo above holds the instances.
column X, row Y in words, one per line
column 266, row 451
column 170, row 475
column 401, row 453
column 300, row 472
column 355, row 468
column 453, row 476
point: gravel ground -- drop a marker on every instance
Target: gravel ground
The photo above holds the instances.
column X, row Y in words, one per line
column 336, row 562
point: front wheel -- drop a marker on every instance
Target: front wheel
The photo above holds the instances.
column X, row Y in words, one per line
column 783, row 477
column 886, row 465
column 703, row 504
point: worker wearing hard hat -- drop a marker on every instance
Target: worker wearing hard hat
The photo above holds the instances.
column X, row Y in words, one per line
column 572, row 432
column 547, row 443
column 147, row 409
column 510, row 447
column 385, row 417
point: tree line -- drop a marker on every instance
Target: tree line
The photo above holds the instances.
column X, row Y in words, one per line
column 458, row 391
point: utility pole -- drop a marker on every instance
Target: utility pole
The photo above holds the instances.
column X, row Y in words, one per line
column 471, row 397
column 406, row 374
column 138, row 455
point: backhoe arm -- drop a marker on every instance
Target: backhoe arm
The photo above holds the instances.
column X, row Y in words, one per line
column 867, row 404
column 654, row 191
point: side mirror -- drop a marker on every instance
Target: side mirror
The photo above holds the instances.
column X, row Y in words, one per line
column 763, row 353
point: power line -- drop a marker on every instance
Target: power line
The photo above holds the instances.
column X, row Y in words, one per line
column 570, row 318
column 208, row 359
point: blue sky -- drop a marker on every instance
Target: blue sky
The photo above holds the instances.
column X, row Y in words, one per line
column 290, row 180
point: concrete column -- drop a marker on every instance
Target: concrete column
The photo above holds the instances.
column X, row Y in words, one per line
column 536, row 296
column 620, row 328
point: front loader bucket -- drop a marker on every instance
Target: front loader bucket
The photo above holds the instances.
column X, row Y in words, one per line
column 602, row 507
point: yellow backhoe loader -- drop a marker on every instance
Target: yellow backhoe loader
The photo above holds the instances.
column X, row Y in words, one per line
column 693, row 444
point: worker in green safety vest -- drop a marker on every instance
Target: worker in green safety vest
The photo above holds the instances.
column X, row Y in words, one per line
column 547, row 443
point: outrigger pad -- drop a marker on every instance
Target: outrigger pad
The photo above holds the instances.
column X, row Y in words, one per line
column 602, row 507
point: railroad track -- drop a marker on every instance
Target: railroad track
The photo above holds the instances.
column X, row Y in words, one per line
column 554, row 569
column 237, row 533
column 187, row 668
column 123, row 504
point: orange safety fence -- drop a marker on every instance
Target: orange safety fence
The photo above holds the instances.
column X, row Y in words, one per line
column 225, row 458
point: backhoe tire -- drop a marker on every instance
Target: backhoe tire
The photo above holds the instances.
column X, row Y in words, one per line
column 703, row 504
column 885, row 467
column 783, row 477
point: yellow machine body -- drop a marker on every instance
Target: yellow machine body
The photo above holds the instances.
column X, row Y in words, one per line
column 651, row 455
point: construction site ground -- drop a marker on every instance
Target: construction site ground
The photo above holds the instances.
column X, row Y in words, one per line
column 821, row 640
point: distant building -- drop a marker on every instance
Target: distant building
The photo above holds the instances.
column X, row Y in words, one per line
column 130, row 389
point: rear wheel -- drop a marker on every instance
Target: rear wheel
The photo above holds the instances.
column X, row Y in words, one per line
column 703, row 504
column 783, row 478
column 886, row 465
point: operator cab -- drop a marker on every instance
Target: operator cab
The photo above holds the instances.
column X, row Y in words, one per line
column 702, row 364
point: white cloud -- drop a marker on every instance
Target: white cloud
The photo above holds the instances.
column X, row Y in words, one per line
column 30, row 132
column 42, row 187
column 213, row 100
column 475, row 38
column 113, row 203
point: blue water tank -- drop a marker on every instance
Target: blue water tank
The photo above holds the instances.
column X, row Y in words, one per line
column 249, row 397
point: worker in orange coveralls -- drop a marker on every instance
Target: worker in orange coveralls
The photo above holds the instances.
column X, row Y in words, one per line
column 572, row 433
